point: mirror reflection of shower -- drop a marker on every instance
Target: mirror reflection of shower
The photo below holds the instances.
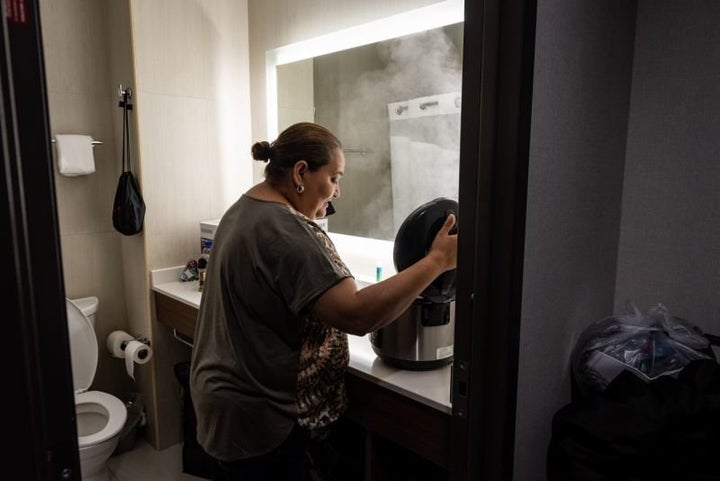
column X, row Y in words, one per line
column 424, row 151
column 395, row 105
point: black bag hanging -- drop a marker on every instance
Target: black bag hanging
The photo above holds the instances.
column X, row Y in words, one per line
column 129, row 207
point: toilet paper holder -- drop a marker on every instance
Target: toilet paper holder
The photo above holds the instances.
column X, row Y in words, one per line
column 133, row 349
column 118, row 341
column 142, row 339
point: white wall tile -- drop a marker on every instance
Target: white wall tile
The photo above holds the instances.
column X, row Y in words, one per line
column 174, row 146
column 169, row 48
column 81, row 102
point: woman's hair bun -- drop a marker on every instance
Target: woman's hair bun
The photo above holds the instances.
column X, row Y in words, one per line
column 262, row 150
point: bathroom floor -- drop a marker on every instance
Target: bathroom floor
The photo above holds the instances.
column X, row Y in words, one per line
column 144, row 463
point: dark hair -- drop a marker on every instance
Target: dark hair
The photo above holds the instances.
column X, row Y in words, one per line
column 306, row 141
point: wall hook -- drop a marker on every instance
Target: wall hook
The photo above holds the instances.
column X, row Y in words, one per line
column 126, row 95
column 141, row 339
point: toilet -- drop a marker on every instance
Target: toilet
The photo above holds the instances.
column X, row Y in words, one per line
column 99, row 416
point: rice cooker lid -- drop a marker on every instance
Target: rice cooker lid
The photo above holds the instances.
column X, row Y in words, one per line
column 413, row 241
column 83, row 347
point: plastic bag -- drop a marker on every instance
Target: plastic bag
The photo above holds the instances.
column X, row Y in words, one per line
column 129, row 207
column 649, row 345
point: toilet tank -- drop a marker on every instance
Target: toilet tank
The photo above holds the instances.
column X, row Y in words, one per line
column 88, row 306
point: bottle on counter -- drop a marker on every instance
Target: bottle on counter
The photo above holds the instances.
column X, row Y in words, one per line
column 201, row 267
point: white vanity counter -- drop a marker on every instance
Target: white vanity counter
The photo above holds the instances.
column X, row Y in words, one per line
column 431, row 388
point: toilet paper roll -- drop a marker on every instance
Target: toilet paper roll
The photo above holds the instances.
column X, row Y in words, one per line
column 136, row 353
column 116, row 343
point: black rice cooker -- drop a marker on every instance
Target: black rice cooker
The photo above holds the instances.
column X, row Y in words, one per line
column 423, row 336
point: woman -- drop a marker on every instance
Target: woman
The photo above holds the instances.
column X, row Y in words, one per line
column 270, row 343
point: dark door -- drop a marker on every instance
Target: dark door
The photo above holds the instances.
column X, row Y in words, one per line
column 494, row 147
column 40, row 441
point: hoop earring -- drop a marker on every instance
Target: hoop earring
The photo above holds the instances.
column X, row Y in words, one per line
column 300, row 189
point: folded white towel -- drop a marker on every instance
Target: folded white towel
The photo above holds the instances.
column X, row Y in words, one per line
column 75, row 154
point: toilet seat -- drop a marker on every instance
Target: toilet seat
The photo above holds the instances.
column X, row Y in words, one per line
column 116, row 416
column 83, row 347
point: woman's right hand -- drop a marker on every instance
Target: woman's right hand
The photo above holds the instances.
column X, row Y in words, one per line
column 444, row 247
column 361, row 311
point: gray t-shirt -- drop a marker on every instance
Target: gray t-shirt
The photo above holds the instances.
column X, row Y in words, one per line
column 265, row 269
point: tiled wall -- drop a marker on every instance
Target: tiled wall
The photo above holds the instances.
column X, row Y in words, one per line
column 192, row 88
column 193, row 111
column 82, row 100
column 191, row 108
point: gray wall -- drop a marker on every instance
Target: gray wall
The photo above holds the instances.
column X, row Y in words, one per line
column 623, row 202
column 581, row 95
column 670, row 237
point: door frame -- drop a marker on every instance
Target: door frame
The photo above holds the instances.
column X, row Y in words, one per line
column 41, row 394
column 498, row 57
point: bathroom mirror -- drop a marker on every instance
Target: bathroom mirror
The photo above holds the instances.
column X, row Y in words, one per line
column 392, row 96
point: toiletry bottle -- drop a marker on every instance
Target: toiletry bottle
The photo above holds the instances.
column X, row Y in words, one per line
column 202, row 266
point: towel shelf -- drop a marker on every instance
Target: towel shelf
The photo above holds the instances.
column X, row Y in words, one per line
column 362, row 152
column 94, row 142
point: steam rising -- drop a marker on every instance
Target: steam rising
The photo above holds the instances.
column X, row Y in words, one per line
column 352, row 92
column 420, row 65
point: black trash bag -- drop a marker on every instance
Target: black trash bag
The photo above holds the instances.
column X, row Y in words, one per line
column 645, row 404
column 129, row 207
column 667, row 429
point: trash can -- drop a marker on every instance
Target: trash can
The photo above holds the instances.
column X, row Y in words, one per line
column 195, row 460
column 135, row 418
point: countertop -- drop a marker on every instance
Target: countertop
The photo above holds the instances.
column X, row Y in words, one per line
column 431, row 388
